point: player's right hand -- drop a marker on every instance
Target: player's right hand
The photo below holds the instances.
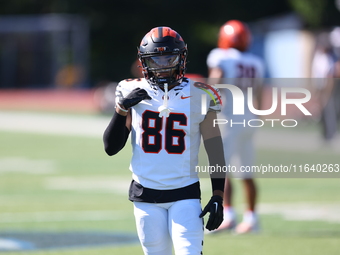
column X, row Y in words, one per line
column 134, row 98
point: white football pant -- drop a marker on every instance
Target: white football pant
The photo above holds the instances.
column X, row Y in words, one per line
column 159, row 225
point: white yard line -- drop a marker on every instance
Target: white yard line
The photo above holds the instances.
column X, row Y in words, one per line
column 88, row 183
column 288, row 211
column 58, row 124
column 26, row 165
column 303, row 211
column 62, row 216
column 294, row 140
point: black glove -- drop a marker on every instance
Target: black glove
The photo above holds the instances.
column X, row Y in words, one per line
column 134, row 98
column 215, row 208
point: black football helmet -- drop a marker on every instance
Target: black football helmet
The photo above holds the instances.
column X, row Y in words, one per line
column 163, row 55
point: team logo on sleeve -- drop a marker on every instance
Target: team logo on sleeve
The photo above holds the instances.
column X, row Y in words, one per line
column 211, row 91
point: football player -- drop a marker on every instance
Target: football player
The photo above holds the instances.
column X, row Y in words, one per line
column 162, row 112
column 231, row 63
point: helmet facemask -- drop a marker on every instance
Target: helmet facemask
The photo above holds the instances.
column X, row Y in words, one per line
column 164, row 68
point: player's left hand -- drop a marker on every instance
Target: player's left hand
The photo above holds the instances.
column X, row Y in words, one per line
column 215, row 208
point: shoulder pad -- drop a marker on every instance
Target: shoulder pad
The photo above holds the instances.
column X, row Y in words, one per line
column 131, row 80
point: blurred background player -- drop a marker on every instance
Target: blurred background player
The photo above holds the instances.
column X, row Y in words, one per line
column 335, row 41
column 230, row 63
column 326, row 71
column 322, row 66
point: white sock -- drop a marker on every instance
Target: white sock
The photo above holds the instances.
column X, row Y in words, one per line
column 250, row 217
column 229, row 213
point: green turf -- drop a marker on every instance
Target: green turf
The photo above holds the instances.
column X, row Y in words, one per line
column 28, row 196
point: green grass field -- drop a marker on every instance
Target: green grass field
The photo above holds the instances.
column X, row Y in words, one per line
column 60, row 183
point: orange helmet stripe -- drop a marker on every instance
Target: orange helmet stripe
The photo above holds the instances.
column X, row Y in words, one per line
column 156, row 33
column 160, row 32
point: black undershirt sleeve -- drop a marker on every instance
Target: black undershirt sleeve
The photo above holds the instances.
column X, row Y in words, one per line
column 215, row 152
column 116, row 134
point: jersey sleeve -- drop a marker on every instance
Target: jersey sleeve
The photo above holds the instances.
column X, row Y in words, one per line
column 124, row 87
column 213, row 59
column 215, row 101
column 120, row 91
column 213, row 96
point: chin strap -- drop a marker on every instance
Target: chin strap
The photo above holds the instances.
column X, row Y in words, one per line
column 164, row 111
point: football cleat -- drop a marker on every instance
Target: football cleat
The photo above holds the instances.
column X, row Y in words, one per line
column 249, row 224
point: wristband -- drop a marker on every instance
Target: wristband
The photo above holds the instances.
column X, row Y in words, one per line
column 120, row 108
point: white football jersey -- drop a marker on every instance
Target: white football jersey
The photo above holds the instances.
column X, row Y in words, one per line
column 242, row 69
column 165, row 150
